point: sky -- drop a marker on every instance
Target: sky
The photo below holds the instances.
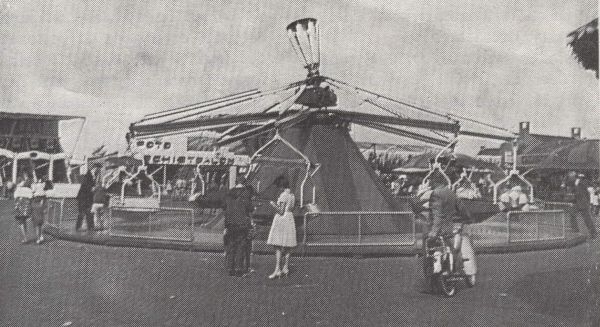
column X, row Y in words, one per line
column 113, row 61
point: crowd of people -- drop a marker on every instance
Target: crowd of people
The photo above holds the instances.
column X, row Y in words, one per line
column 180, row 188
column 30, row 196
column 409, row 185
column 31, row 205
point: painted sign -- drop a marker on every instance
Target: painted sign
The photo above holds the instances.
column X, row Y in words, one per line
column 186, row 151
column 207, row 158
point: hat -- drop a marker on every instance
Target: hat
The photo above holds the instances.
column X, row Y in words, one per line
column 516, row 188
column 402, row 177
column 580, row 175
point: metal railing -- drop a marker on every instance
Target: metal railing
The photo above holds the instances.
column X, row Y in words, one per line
column 61, row 212
column 55, row 212
column 359, row 228
column 152, row 223
column 134, row 201
column 536, row 225
column 549, row 205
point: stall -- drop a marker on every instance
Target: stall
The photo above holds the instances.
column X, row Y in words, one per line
column 40, row 146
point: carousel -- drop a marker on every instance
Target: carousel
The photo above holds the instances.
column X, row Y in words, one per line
column 301, row 132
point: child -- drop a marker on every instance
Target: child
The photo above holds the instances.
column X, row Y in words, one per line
column 38, row 208
column 23, row 195
column 100, row 202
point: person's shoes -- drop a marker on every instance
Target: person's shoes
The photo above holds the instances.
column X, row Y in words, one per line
column 24, row 241
column 275, row 274
column 285, row 272
column 39, row 241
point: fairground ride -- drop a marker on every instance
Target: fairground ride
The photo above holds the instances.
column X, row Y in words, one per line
column 308, row 125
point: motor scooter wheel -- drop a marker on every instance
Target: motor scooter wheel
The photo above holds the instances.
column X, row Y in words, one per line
column 447, row 287
column 470, row 280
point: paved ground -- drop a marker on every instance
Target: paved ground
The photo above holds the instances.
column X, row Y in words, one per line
column 60, row 282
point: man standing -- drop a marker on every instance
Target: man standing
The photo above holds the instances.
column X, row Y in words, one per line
column 581, row 205
column 85, row 198
column 238, row 206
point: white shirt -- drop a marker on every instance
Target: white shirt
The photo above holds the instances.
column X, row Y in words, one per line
column 288, row 199
column 593, row 196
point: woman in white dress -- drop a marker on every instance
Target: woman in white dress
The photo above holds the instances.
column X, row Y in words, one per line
column 283, row 230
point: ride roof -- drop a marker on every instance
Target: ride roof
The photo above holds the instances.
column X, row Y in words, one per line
column 264, row 111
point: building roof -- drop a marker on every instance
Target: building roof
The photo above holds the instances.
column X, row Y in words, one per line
column 490, row 152
column 574, row 155
column 24, row 115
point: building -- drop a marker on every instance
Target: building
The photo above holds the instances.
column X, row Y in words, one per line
column 41, row 145
column 493, row 155
column 532, row 147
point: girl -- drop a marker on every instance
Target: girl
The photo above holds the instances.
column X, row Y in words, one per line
column 38, row 209
column 283, row 230
column 22, row 197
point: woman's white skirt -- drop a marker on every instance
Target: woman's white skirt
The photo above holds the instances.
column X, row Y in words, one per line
column 283, row 231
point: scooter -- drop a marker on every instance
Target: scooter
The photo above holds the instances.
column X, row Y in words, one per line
column 445, row 267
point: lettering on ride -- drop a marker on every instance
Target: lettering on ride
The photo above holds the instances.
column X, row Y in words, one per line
column 189, row 160
column 159, row 152
column 156, row 144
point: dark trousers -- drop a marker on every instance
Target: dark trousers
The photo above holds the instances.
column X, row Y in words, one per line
column 84, row 211
column 236, row 251
column 587, row 219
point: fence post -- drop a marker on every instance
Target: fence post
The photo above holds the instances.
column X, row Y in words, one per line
column 192, row 229
column 62, row 206
column 110, row 220
column 304, row 240
column 564, row 226
column 150, row 213
column 414, row 228
column 537, row 227
column 359, row 228
column 508, row 227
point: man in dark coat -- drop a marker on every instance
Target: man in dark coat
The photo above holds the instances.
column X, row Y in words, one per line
column 238, row 207
column 445, row 208
column 582, row 206
column 85, row 198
